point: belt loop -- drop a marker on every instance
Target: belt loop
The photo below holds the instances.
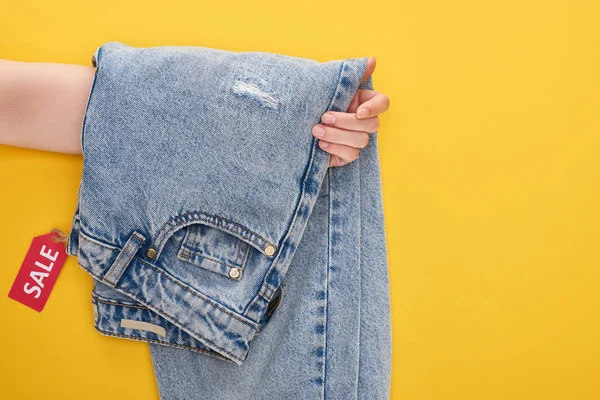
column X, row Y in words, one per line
column 114, row 273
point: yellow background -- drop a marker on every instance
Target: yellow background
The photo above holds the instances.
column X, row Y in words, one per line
column 490, row 159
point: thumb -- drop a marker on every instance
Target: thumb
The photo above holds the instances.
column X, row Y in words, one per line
column 371, row 62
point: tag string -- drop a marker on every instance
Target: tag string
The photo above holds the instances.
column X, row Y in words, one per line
column 59, row 236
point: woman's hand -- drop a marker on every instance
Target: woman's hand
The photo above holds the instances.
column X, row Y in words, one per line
column 344, row 134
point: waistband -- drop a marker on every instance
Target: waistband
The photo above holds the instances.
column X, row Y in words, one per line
column 206, row 320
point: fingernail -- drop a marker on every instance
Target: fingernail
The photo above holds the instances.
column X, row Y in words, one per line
column 328, row 118
column 362, row 113
column 323, row 144
column 318, row 131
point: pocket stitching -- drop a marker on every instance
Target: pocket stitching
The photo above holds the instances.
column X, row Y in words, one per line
column 235, row 229
column 186, row 252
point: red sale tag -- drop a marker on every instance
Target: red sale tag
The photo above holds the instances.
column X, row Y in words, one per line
column 39, row 270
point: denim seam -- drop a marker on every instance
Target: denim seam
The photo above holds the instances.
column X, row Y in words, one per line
column 187, row 254
column 109, row 302
column 142, row 339
column 222, row 223
column 194, row 258
column 359, row 224
column 192, row 237
column 330, row 248
column 240, row 266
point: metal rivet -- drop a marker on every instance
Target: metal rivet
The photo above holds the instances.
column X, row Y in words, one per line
column 151, row 253
column 234, row 272
column 270, row 250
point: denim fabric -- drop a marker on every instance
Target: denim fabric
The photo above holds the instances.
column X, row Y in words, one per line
column 214, row 229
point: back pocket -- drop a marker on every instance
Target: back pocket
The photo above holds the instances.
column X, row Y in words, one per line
column 214, row 250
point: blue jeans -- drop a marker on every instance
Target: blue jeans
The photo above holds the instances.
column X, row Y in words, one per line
column 215, row 231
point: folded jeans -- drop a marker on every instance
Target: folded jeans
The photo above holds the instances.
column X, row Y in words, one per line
column 200, row 178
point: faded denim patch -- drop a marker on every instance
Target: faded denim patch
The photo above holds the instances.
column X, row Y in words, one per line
column 250, row 85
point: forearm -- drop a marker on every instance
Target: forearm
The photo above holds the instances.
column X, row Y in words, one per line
column 42, row 104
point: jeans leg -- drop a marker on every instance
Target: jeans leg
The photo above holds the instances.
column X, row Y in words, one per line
column 330, row 337
column 375, row 361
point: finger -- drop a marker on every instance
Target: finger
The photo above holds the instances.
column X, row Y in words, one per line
column 349, row 121
column 330, row 134
column 335, row 161
column 371, row 104
column 371, row 63
column 346, row 153
column 355, row 102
